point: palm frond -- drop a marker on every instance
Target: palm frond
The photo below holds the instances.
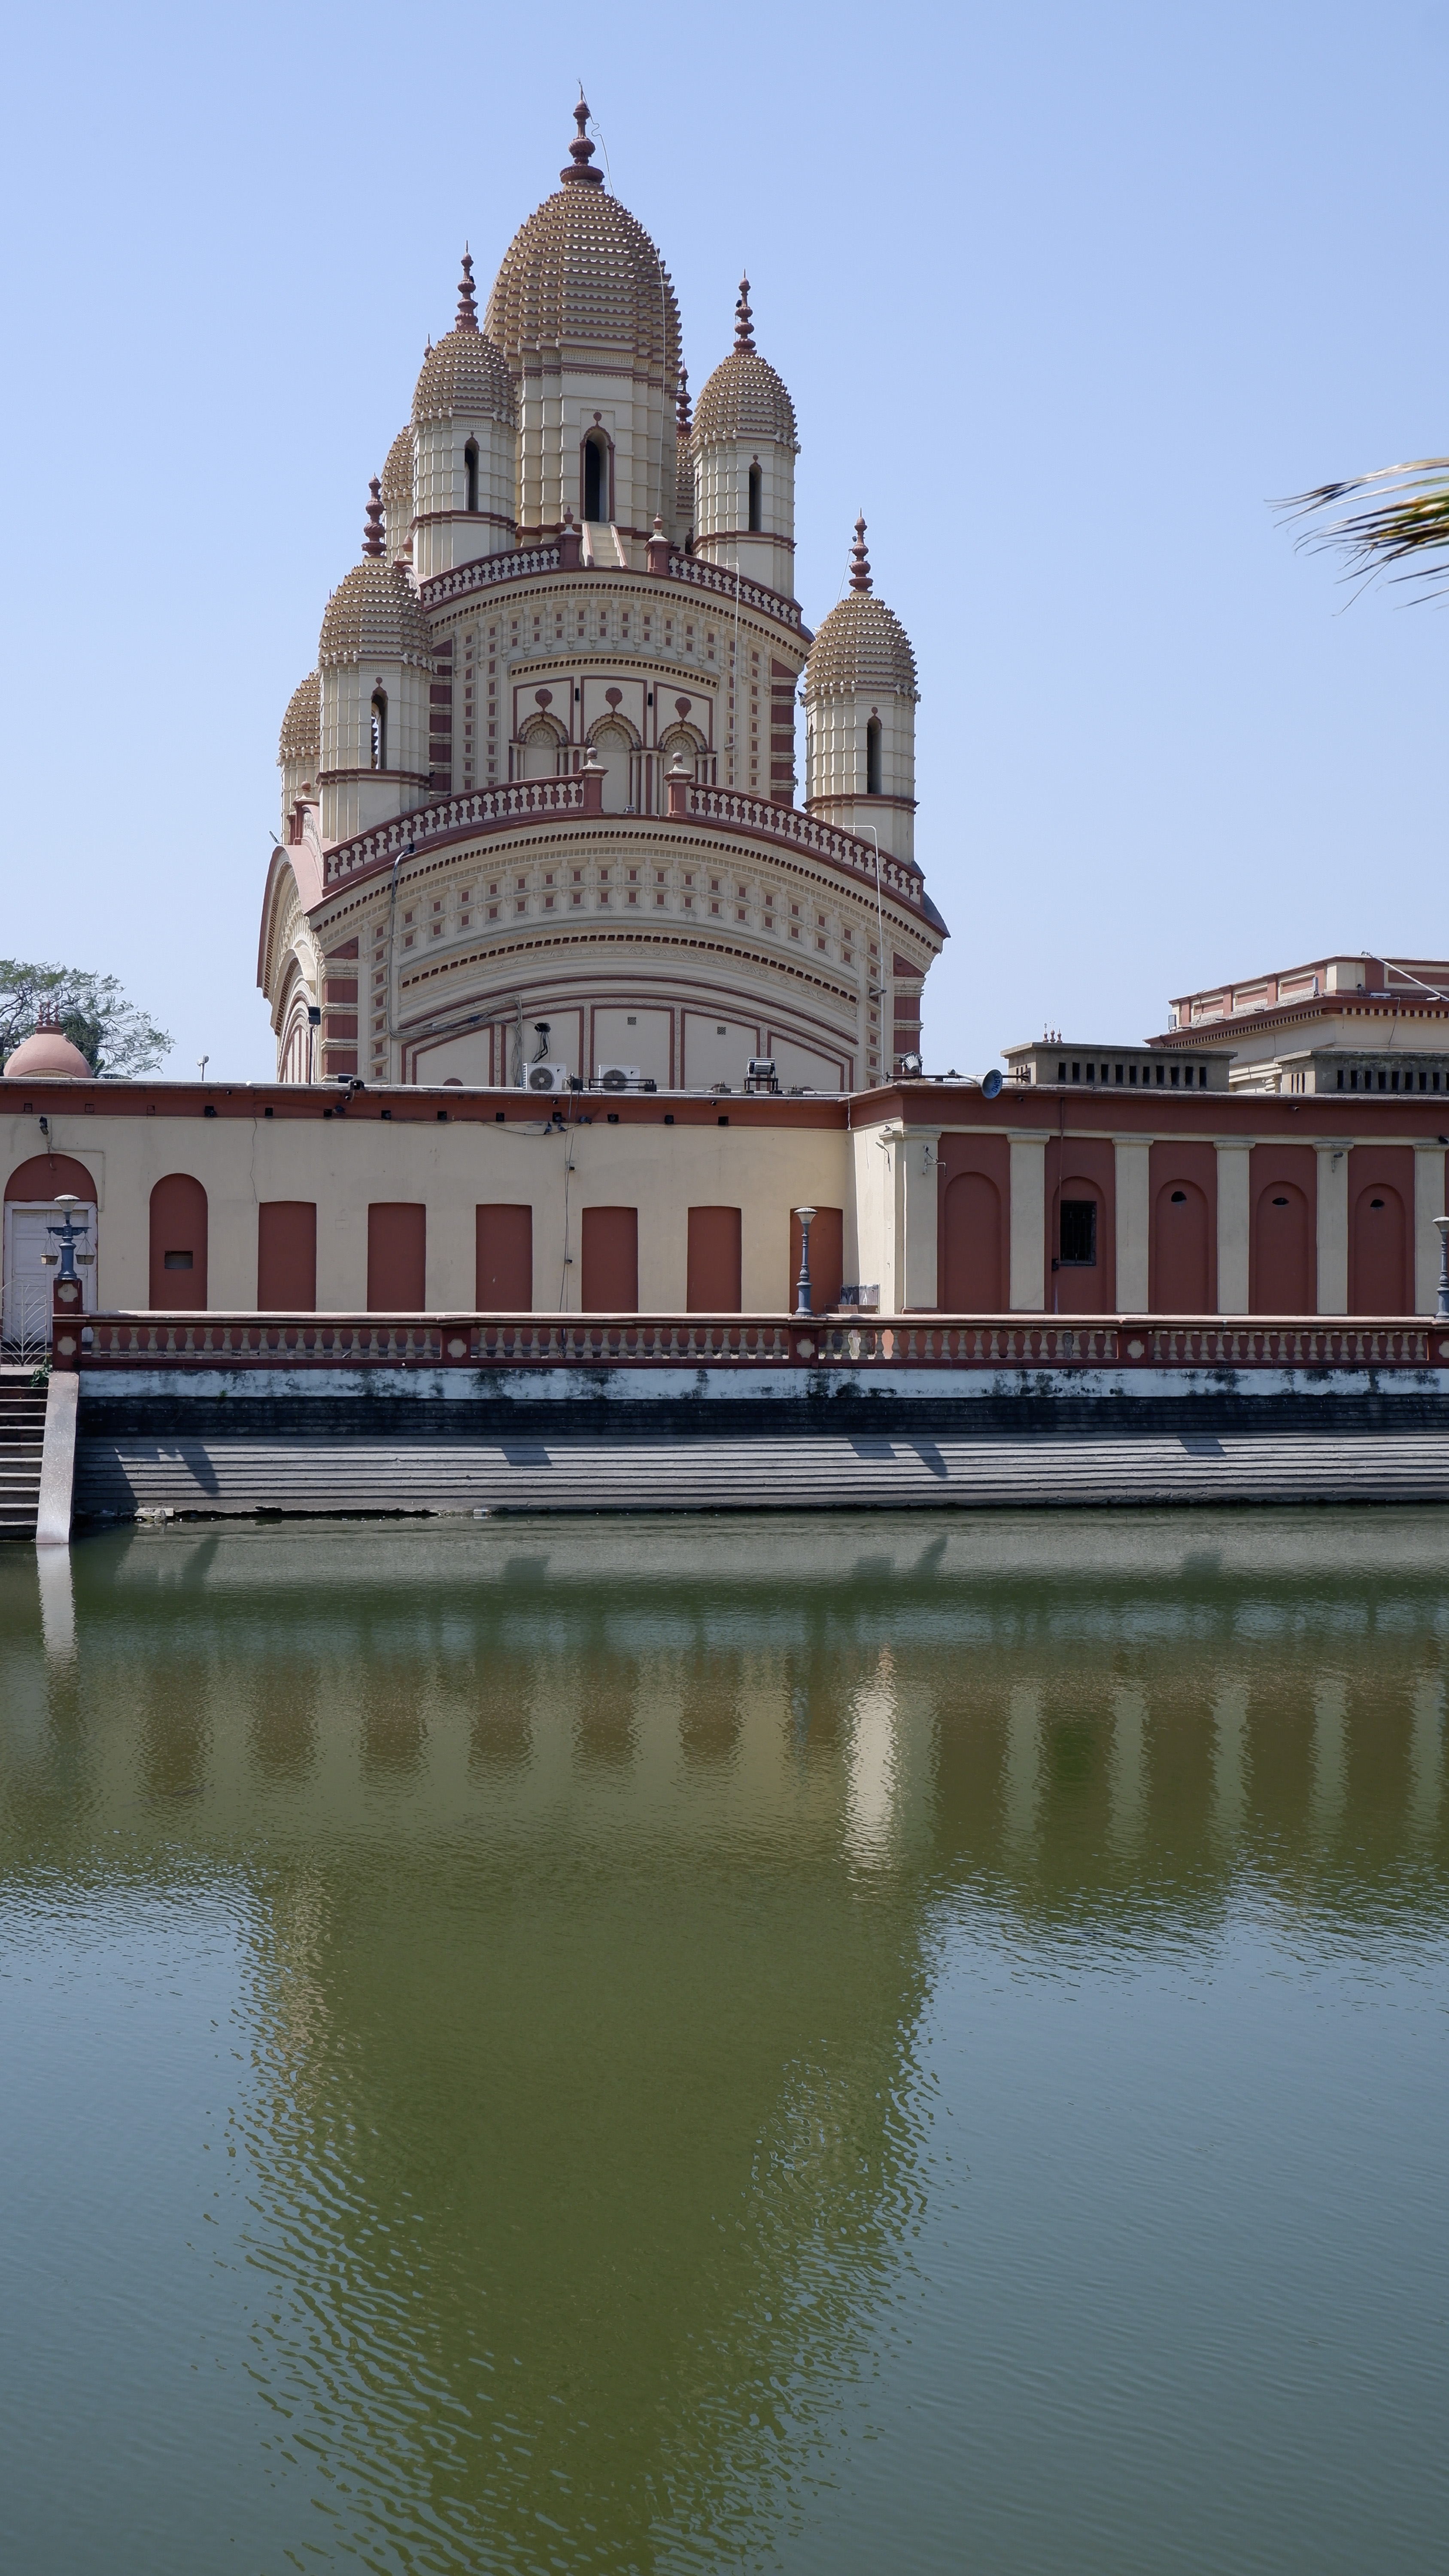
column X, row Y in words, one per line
column 1402, row 531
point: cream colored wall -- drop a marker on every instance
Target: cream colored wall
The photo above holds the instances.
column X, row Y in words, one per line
column 1234, row 1155
column 1132, row 1173
column 554, row 412
column 1333, row 1155
column 440, row 484
column 835, row 766
column 355, row 804
column 1428, row 1203
column 722, row 509
column 342, row 1166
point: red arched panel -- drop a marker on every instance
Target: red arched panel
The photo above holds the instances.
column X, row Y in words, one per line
column 973, row 1246
column 827, row 1259
column 397, row 1256
column 46, row 1176
column 964, row 1220
column 287, row 1256
column 178, row 1244
column 1381, row 1238
column 1083, row 1222
column 610, row 1260
column 1182, row 1276
column 714, row 1267
column 1283, row 1247
column 503, row 1260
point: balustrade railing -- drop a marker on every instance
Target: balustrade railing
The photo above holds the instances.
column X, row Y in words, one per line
column 486, row 571
column 480, row 807
column 971, row 1344
column 802, row 832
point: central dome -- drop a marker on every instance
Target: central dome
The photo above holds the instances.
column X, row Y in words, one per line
column 582, row 275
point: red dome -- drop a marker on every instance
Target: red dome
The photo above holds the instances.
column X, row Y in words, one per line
column 46, row 1053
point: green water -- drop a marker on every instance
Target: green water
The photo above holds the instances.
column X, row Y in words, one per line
column 869, row 2045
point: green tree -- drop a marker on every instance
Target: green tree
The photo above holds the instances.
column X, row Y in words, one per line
column 1397, row 523
column 93, row 1012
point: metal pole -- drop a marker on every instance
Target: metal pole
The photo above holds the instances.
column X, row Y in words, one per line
column 802, row 1285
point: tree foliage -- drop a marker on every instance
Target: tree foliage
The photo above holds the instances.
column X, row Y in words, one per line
column 1398, row 524
column 92, row 1011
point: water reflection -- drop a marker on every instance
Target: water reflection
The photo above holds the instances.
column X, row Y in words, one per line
column 595, row 1892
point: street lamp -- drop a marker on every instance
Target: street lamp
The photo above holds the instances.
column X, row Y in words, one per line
column 806, row 1217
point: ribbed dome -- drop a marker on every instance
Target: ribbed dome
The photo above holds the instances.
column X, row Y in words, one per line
column 861, row 646
column 582, row 274
column 466, row 375
column 373, row 616
column 744, row 398
column 397, row 487
column 46, row 1052
column 302, row 724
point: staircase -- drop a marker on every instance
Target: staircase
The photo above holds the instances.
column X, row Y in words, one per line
column 22, row 1435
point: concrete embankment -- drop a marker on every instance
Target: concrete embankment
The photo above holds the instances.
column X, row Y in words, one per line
column 620, row 1441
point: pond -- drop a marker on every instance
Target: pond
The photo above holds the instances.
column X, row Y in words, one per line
column 725, row 2044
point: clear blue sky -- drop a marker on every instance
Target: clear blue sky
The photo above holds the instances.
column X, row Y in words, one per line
column 1062, row 295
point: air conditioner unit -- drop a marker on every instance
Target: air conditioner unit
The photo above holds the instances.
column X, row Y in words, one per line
column 620, row 1077
column 548, row 1077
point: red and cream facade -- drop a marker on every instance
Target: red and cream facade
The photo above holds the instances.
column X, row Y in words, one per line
column 544, row 770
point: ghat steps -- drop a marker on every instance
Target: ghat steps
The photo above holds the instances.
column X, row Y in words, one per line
column 123, row 1475
column 22, row 1434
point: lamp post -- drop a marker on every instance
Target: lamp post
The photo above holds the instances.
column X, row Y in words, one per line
column 1441, row 1311
column 806, row 1216
column 67, row 1234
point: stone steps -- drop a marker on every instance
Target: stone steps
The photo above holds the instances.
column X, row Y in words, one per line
column 22, row 1436
column 119, row 1476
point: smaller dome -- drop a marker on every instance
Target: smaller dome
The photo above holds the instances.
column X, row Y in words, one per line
column 374, row 615
column 397, row 488
column 301, row 736
column 46, row 1052
column 467, row 374
column 744, row 398
column 861, row 647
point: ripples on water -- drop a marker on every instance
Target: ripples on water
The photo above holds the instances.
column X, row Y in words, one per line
column 700, row 2045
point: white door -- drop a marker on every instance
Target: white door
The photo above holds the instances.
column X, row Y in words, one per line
column 27, row 1280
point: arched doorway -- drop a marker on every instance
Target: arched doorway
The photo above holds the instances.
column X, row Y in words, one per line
column 971, row 1246
column 178, row 1245
column 1181, row 1282
column 1284, row 1255
column 616, row 750
column 1378, row 1250
column 542, row 743
column 30, row 1211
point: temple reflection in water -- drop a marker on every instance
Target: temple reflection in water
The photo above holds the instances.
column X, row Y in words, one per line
column 589, row 1884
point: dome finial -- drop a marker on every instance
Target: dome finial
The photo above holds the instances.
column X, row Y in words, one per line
column 681, row 407
column 372, row 539
column 744, row 323
column 859, row 559
column 581, row 153
column 467, row 319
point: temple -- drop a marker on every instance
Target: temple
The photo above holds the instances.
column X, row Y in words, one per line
column 539, row 814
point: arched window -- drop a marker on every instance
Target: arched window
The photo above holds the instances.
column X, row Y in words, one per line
column 872, row 757
column 596, row 479
column 757, row 488
column 470, row 475
column 379, row 728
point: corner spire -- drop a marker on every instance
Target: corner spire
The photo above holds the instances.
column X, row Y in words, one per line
column 467, row 316
column 682, row 420
column 744, row 322
column 859, row 560
column 372, row 538
column 581, row 153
